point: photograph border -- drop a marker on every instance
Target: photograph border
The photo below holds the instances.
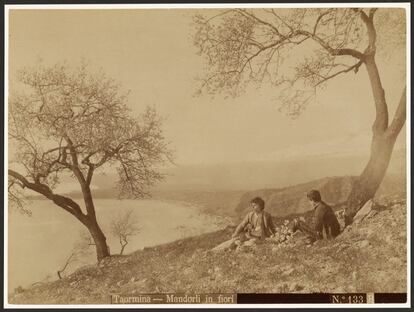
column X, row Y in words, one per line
column 113, row 6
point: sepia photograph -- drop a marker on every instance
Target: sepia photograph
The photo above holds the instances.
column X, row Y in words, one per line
column 207, row 155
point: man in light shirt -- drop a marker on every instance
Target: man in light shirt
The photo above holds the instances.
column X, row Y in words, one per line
column 256, row 226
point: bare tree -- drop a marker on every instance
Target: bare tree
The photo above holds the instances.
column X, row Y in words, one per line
column 80, row 251
column 72, row 122
column 299, row 51
column 124, row 227
column 16, row 198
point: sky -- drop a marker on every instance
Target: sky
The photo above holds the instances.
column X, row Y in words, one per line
column 151, row 53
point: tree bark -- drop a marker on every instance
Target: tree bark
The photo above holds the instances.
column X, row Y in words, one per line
column 98, row 236
column 382, row 145
column 122, row 249
column 99, row 239
column 89, row 220
column 365, row 187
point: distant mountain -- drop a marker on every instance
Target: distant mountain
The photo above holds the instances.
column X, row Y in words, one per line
column 267, row 174
column 243, row 176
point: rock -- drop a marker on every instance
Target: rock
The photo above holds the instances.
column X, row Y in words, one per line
column 241, row 248
column 372, row 213
column 363, row 212
column 362, row 244
column 288, row 271
column 275, row 248
column 295, row 287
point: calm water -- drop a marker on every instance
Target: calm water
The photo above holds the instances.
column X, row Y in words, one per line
column 39, row 245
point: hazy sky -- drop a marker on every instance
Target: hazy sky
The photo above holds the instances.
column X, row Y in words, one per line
column 151, row 53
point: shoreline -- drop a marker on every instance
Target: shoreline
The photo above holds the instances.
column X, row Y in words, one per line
column 189, row 212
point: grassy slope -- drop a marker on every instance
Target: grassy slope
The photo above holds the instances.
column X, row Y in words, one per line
column 369, row 257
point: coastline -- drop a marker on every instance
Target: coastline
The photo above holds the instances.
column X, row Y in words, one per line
column 189, row 220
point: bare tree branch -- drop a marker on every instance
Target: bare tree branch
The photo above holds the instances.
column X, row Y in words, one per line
column 241, row 49
column 124, row 227
column 354, row 67
column 64, row 202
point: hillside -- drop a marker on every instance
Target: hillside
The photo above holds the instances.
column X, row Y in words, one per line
column 280, row 202
column 353, row 262
column 334, row 190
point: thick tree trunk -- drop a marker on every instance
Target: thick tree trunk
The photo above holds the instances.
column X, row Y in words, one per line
column 88, row 219
column 369, row 181
column 384, row 137
column 99, row 239
column 98, row 236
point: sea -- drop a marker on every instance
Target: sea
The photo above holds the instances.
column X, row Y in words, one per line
column 39, row 245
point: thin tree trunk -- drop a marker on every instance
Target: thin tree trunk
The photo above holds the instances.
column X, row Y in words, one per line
column 122, row 249
column 123, row 242
column 68, row 260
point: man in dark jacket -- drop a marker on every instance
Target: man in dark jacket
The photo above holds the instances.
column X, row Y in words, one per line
column 324, row 219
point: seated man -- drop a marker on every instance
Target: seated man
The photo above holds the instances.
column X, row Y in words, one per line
column 324, row 219
column 256, row 225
